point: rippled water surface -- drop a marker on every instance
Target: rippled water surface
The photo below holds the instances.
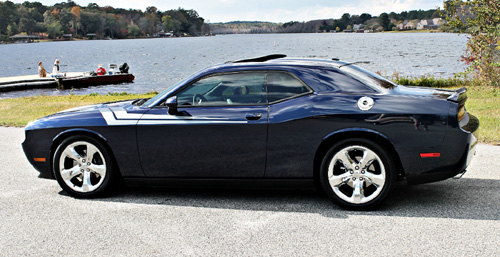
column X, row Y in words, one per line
column 158, row 63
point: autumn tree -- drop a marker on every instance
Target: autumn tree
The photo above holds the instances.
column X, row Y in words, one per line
column 76, row 17
column 481, row 20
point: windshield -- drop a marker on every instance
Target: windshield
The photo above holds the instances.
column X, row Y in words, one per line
column 368, row 78
column 162, row 94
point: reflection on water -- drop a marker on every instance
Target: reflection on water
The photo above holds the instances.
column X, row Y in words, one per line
column 158, row 63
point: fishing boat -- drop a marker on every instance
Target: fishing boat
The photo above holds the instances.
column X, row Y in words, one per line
column 113, row 76
column 68, row 80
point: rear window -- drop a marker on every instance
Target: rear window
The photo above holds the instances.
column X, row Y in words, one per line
column 339, row 82
column 369, row 78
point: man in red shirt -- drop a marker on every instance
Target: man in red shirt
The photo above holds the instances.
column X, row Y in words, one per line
column 100, row 70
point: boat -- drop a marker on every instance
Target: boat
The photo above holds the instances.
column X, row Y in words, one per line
column 68, row 80
column 113, row 76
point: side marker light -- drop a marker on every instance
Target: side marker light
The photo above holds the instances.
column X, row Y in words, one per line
column 427, row 155
column 39, row 159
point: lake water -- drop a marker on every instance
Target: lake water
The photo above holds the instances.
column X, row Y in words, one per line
column 158, row 63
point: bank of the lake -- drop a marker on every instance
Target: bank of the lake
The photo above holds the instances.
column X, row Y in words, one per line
column 159, row 63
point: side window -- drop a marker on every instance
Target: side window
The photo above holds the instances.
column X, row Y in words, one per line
column 281, row 85
column 226, row 89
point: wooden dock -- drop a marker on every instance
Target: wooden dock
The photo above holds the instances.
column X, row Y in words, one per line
column 67, row 81
column 17, row 83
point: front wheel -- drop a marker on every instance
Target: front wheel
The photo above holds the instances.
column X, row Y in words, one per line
column 357, row 174
column 83, row 167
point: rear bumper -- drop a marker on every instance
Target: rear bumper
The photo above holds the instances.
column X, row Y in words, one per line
column 472, row 150
column 454, row 160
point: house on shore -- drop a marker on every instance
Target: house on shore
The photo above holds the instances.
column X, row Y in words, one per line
column 24, row 38
column 430, row 24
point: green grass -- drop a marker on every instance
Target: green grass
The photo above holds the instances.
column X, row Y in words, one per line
column 429, row 81
column 19, row 111
column 484, row 103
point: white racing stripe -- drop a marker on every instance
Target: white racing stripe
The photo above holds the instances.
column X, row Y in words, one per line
column 119, row 116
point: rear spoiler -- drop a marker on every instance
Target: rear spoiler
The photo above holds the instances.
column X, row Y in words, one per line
column 459, row 96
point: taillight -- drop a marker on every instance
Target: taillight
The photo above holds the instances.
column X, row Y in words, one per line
column 461, row 112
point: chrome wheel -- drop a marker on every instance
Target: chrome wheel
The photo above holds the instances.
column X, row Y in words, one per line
column 82, row 167
column 356, row 174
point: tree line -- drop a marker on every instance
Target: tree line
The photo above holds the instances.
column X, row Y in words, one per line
column 383, row 22
column 80, row 21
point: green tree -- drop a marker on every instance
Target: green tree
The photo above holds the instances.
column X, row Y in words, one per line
column 133, row 30
column 11, row 29
column 365, row 16
column 54, row 30
column 8, row 15
column 346, row 17
column 167, row 23
column 384, row 21
column 481, row 19
column 90, row 21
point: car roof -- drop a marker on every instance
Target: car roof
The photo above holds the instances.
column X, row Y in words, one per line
column 278, row 60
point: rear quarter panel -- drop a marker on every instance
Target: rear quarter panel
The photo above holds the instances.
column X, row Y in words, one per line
column 298, row 126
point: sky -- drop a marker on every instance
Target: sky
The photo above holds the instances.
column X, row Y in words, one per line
column 268, row 10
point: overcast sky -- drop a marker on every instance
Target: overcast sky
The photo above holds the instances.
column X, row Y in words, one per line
column 269, row 10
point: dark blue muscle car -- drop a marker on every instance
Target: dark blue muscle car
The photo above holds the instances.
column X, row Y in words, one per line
column 264, row 122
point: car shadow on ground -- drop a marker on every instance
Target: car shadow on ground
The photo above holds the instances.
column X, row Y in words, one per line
column 467, row 198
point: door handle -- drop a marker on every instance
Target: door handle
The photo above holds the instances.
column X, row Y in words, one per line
column 253, row 116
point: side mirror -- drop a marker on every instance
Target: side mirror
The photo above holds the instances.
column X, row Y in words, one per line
column 172, row 105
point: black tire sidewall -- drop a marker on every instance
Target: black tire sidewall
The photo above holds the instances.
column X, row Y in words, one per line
column 384, row 157
column 105, row 185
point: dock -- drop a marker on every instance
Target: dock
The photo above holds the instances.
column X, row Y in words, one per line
column 17, row 83
column 65, row 81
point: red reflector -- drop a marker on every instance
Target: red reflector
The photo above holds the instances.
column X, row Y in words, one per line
column 39, row 159
column 426, row 155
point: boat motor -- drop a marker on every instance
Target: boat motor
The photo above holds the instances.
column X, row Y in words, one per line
column 124, row 68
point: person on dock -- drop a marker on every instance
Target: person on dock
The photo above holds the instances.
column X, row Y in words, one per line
column 55, row 69
column 100, row 70
column 41, row 70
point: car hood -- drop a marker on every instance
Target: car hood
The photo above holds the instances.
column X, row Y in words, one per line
column 94, row 107
column 84, row 116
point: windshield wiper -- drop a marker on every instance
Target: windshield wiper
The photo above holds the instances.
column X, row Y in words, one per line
column 140, row 101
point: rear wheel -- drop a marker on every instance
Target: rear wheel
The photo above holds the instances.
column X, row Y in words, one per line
column 83, row 167
column 357, row 173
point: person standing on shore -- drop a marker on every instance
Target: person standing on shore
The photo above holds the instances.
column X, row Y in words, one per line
column 55, row 69
column 41, row 70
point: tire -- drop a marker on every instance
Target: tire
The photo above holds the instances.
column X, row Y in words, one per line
column 353, row 182
column 79, row 176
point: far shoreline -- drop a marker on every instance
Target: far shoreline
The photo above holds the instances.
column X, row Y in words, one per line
column 45, row 40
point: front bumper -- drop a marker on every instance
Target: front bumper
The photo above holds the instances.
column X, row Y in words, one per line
column 40, row 160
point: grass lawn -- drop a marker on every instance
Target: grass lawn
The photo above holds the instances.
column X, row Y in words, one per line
column 483, row 102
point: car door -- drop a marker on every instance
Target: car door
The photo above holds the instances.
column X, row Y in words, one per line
column 218, row 131
column 291, row 131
